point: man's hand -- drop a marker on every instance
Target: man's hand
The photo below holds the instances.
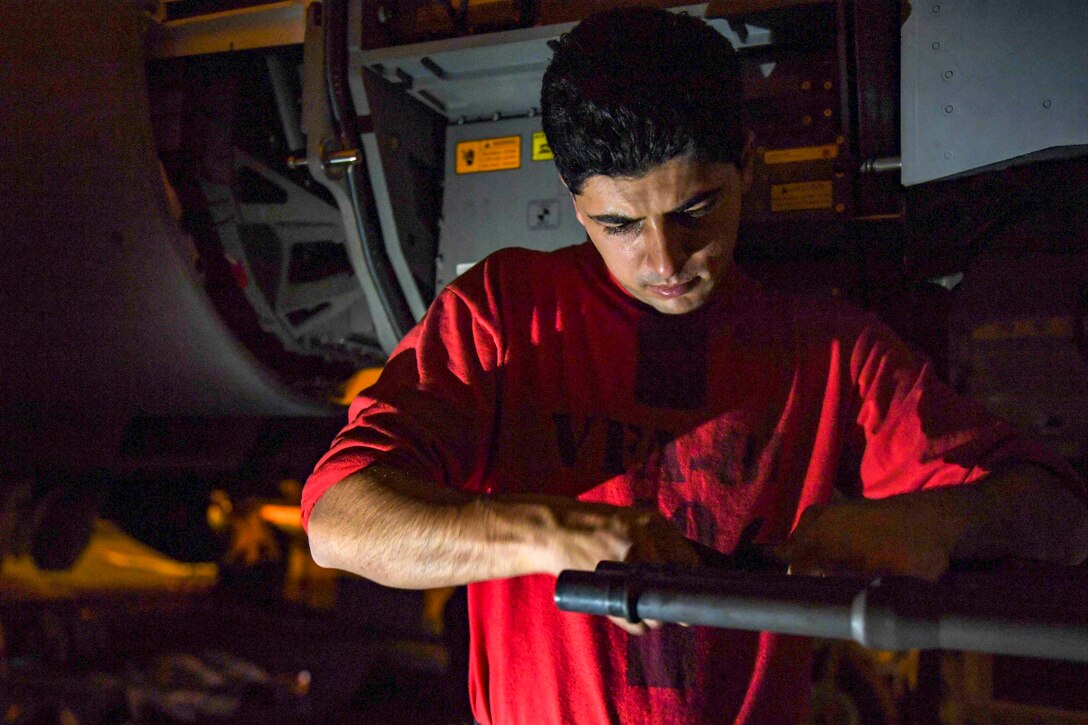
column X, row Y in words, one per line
column 886, row 536
column 587, row 534
column 656, row 541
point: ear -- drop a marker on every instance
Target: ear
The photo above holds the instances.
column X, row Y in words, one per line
column 574, row 203
column 577, row 211
column 747, row 162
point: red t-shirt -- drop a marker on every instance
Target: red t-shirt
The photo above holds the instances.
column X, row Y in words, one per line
column 537, row 373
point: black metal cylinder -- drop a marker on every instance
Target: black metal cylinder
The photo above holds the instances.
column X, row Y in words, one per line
column 1022, row 615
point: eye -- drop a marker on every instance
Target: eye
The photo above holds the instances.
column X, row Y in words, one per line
column 699, row 211
column 691, row 217
column 687, row 218
column 625, row 228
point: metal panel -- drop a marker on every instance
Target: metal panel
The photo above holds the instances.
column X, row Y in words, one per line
column 987, row 82
column 496, row 74
column 483, row 212
column 263, row 26
column 104, row 317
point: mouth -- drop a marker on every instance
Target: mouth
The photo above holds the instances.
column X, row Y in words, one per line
column 669, row 291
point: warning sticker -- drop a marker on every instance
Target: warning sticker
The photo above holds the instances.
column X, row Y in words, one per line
column 541, row 150
column 802, row 195
column 489, row 154
column 801, row 153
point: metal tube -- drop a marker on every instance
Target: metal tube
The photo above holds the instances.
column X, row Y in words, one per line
column 882, row 165
column 1015, row 636
column 793, row 604
column 1046, row 617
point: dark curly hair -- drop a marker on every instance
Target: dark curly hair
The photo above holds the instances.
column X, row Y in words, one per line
column 631, row 88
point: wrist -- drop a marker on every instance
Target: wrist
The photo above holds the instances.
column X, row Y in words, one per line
column 522, row 535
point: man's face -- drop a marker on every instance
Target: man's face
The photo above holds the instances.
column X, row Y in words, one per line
column 667, row 237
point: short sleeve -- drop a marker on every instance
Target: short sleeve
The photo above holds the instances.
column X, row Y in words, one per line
column 432, row 410
column 920, row 434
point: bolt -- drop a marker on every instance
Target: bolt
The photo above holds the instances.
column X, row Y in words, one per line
column 1046, row 103
column 947, row 74
column 948, row 154
column 936, row 9
column 936, row 46
column 948, row 109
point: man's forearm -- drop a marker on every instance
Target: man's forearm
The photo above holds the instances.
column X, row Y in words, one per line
column 1023, row 511
column 404, row 532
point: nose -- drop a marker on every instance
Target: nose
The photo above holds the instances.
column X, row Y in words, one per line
column 666, row 250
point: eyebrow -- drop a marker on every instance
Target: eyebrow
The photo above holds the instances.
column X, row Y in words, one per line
column 693, row 201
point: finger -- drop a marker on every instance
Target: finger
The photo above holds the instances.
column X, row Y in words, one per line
column 636, row 629
column 680, row 552
column 671, row 546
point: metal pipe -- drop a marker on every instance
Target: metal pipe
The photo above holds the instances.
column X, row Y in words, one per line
column 364, row 206
column 331, row 160
column 882, row 165
column 893, row 613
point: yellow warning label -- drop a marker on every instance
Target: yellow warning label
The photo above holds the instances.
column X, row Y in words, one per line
column 489, row 154
column 802, row 195
column 541, row 150
column 801, row 153
column 1024, row 328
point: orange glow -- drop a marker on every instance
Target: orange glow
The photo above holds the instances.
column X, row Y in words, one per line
column 356, row 384
column 282, row 516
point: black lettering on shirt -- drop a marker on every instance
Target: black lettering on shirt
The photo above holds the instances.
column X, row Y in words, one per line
column 570, row 445
column 696, row 522
column 662, row 464
column 618, row 446
column 738, row 458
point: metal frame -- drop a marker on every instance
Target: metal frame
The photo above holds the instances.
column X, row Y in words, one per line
column 366, row 250
column 261, row 26
column 342, row 327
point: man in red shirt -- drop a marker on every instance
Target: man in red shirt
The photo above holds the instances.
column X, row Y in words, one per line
column 612, row 400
